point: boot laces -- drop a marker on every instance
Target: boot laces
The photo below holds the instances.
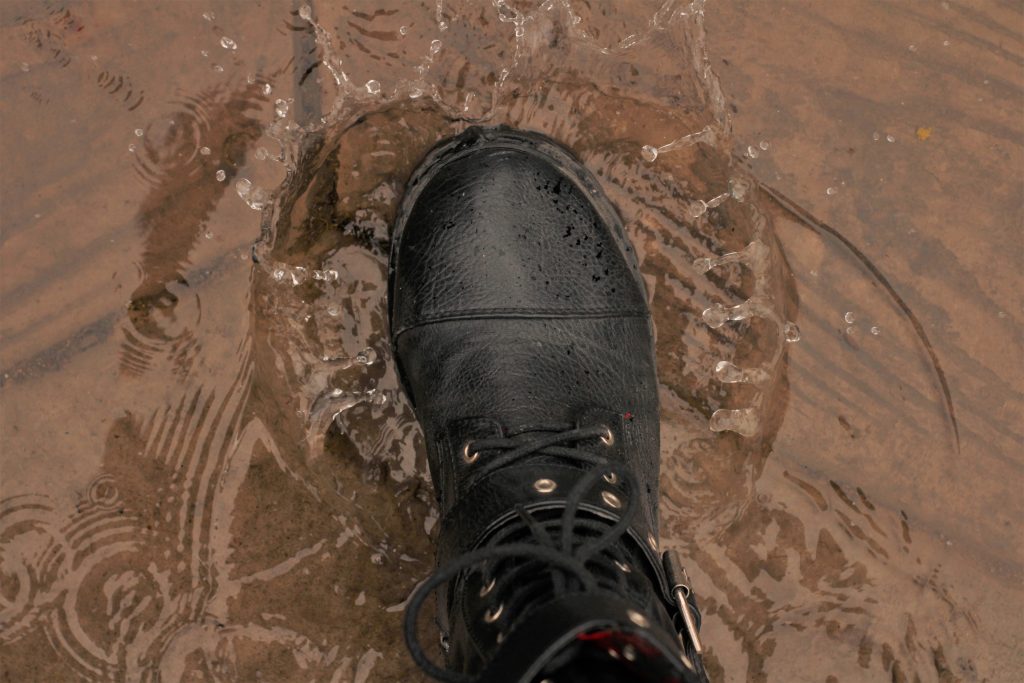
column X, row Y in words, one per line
column 539, row 558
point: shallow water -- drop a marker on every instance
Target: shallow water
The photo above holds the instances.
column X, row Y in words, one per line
column 208, row 470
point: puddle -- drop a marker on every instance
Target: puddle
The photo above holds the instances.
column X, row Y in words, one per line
column 217, row 477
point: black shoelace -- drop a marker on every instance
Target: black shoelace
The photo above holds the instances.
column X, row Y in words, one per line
column 538, row 558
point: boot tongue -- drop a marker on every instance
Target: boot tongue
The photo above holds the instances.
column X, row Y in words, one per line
column 590, row 637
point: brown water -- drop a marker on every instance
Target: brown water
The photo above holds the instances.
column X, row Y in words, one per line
column 208, row 470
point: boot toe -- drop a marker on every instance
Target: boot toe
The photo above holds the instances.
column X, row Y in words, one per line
column 502, row 223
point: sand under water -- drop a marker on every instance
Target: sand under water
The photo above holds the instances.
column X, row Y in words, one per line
column 209, row 472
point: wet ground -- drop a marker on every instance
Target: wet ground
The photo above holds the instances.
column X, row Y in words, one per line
column 208, row 470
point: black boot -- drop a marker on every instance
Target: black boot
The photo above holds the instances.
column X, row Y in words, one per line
column 523, row 338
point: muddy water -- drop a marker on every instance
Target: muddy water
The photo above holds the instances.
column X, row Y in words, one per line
column 208, row 470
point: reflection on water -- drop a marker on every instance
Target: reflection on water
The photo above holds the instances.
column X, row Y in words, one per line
column 252, row 501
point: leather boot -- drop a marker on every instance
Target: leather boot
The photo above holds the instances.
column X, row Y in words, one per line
column 523, row 338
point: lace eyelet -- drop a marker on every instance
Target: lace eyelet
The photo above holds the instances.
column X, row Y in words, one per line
column 491, row 615
column 608, row 438
column 467, row 457
column 487, row 588
column 544, row 485
column 637, row 618
column 611, row 500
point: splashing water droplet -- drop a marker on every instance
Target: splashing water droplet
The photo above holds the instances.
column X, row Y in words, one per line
column 366, row 357
column 850, row 318
column 715, row 316
column 649, row 153
column 255, row 197
column 372, row 86
column 791, row 332
column 703, row 265
column 221, row 175
column 228, row 44
column 697, row 209
column 743, row 422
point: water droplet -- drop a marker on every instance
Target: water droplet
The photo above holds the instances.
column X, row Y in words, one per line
column 366, row 357
column 791, row 332
column 435, row 46
column 404, row 30
column 697, row 209
column 267, row 89
column 715, row 316
column 131, row 147
column 743, row 422
column 415, row 93
column 945, row 43
column 204, row 53
column 24, row 66
column 279, row 274
column 306, row 12
column 831, row 191
column 850, row 330
column 255, row 197
column 218, row 68
column 281, row 108
column 703, row 265
column 876, row 136
column 763, row 145
column 850, row 318
column 912, row 48
column 208, row 235
column 752, row 152
column 372, row 86
column 442, row 25
column 209, row 16
column 205, row 151
column 875, row 331
column 139, row 132
column 332, row 311
column 228, row 44
column 221, row 175
column 890, row 138
column 649, row 153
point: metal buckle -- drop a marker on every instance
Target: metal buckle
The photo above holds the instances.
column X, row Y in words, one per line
column 679, row 587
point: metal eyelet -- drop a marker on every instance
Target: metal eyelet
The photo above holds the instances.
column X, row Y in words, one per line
column 652, row 541
column 608, row 438
column 545, row 485
column 623, row 567
column 491, row 615
column 467, row 457
column 487, row 588
column 637, row 618
column 611, row 478
column 611, row 500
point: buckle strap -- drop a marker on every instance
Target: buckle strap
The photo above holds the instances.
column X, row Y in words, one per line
column 685, row 603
